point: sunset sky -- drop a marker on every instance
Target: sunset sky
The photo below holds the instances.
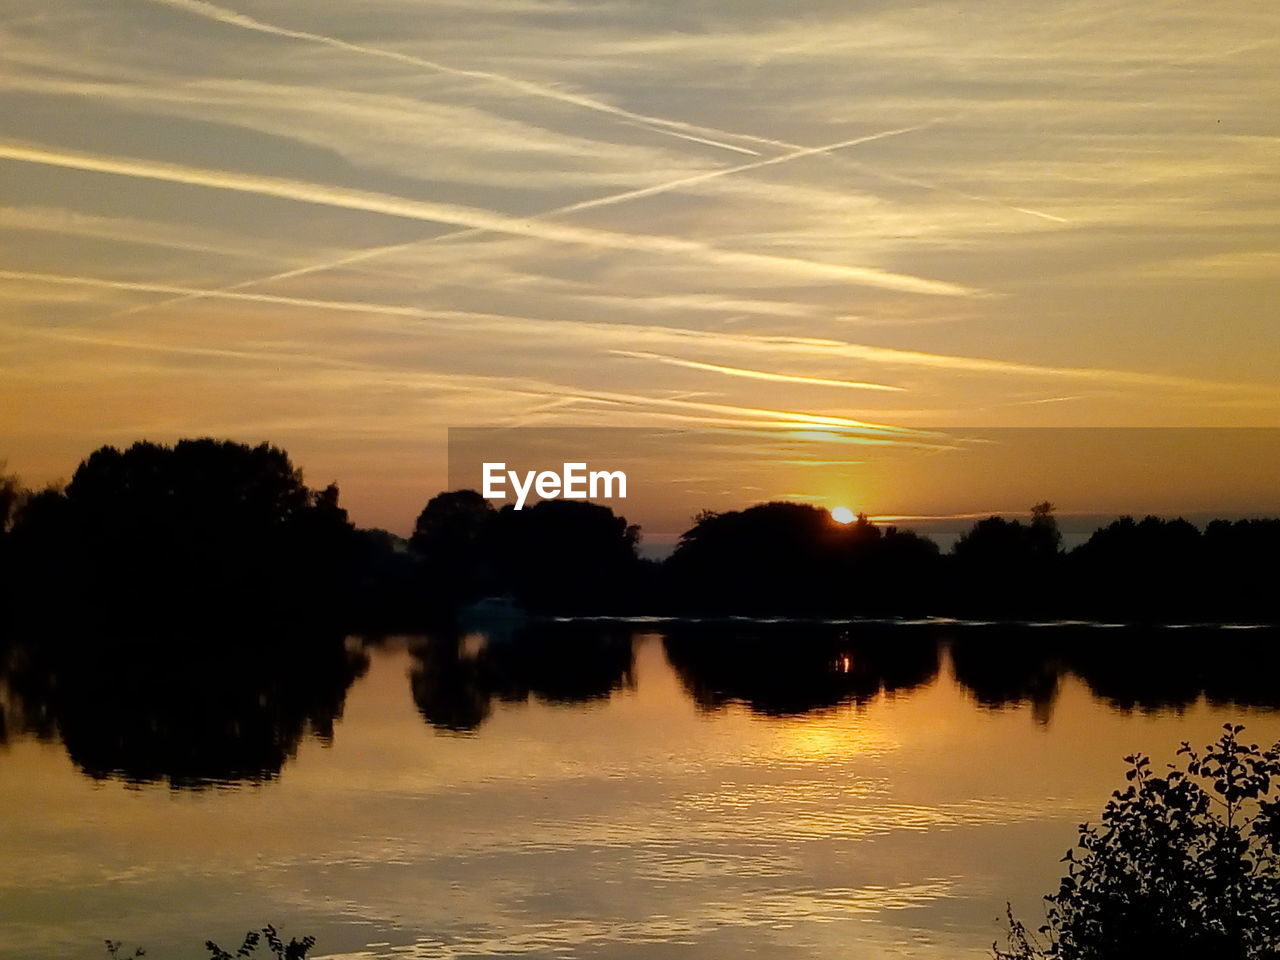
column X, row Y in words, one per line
column 345, row 227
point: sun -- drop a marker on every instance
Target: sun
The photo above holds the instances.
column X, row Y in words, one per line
column 842, row 515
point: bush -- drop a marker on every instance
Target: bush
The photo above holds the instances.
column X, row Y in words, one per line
column 1181, row 865
column 293, row 950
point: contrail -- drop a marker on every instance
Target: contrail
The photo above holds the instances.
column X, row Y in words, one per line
column 698, row 411
column 371, row 253
column 754, row 374
column 951, row 191
column 675, row 128
column 476, row 219
column 664, row 337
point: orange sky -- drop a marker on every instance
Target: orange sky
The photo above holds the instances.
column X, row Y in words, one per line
column 346, row 231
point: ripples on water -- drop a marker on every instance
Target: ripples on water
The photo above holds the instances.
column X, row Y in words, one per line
column 585, row 789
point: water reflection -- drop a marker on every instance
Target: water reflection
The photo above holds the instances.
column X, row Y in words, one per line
column 1145, row 669
column 193, row 712
column 636, row 791
column 456, row 678
column 788, row 669
column 187, row 711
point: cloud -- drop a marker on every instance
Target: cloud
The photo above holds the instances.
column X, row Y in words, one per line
column 582, row 333
column 675, row 128
column 472, row 218
column 191, row 238
column 755, row 374
column 412, row 137
column 348, row 374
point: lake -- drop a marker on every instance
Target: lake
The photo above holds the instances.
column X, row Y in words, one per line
column 586, row 789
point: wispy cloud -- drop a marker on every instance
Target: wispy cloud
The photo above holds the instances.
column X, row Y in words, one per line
column 388, row 205
column 755, row 374
column 675, row 128
column 563, row 211
column 672, row 409
column 608, row 334
column 131, row 230
column 667, row 186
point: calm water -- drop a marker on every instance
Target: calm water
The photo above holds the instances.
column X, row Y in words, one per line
column 589, row 790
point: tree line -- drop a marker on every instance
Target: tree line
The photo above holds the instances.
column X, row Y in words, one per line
column 213, row 530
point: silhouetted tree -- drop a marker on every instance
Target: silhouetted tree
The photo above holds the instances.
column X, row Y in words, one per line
column 453, row 536
column 792, row 558
column 387, row 581
column 1240, row 568
column 1146, row 570
column 12, row 494
column 1186, row 864
column 205, row 524
column 293, row 950
column 1006, row 568
column 566, row 556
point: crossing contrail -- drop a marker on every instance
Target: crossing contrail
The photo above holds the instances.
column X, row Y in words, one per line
column 676, row 128
column 697, row 133
column 371, row 253
column 476, row 219
column 607, row 334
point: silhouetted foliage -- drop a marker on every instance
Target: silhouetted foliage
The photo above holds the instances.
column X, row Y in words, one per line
column 204, row 525
column 293, row 950
column 12, row 495
column 1008, row 567
column 452, row 536
column 555, row 556
column 219, row 531
column 566, row 556
column 1181, row 865
column 792, row 559
column 1146, row 570
column 386, row 589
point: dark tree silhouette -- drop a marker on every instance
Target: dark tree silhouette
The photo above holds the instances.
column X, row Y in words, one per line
column 11, row 496
column 566, row 556
column 1146, row 570
column 1184, row 864
column 1006, row 568
column 206, row 525
column 556, row 556
column 223, row 530
column 786, row 558
column 453, row 537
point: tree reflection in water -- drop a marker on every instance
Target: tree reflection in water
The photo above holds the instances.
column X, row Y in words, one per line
column 1130, row 668
column 188, row 711
column 787, row 669
column 456, row 677
column 193, row 711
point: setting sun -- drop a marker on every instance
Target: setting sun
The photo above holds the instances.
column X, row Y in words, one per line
column 842, row 515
